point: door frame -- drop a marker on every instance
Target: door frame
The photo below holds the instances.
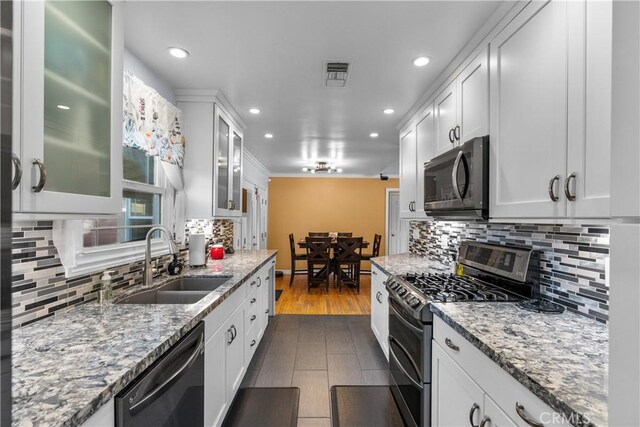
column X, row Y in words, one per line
column 386, row 217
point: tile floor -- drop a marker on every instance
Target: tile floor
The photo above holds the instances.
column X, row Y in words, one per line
column 315, row 352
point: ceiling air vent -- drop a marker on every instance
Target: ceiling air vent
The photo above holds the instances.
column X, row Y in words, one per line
column 336, row 74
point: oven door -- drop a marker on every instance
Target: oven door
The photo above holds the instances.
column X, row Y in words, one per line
column 456, row 182
column 406, row 364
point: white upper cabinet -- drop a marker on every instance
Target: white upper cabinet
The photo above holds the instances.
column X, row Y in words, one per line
column 550, row 110
column 529, row 113
column 425, row 151
column 589, row 149
column 213, row 159
column 461, row 109
column 68, row 103
column 473, row 99
column 445, row 109
column 408, row 172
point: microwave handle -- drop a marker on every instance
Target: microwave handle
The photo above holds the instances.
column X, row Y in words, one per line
column 454, row 175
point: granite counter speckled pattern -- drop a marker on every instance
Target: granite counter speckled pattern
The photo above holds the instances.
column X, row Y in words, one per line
column 563, row 359
column 408, row 263
column 67, row 366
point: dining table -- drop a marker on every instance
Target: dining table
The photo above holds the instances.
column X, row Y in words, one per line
column 302, row 244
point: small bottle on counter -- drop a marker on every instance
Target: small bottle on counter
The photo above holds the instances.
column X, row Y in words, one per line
column 105, row 292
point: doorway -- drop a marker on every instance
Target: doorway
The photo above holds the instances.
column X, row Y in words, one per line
column 397, row 230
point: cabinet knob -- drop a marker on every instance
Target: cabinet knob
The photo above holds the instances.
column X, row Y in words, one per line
column 253, row 318
column 456, row 132
column 451, row 137
column 253, row 342
column 252, row 300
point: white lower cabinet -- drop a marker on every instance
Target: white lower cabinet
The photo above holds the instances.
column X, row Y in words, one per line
column 104, row 417
column 380, row 309
column 467, row 387
column 234, row 363
column 457, row 399
column 215, row 406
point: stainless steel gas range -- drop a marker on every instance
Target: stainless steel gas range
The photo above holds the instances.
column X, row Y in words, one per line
column 491, row 273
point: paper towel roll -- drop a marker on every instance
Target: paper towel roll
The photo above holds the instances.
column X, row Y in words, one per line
column 197, row 252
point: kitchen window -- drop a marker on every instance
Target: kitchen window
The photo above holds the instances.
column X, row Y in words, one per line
column 93, row 245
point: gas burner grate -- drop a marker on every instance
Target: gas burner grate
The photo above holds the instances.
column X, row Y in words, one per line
column 451, row 288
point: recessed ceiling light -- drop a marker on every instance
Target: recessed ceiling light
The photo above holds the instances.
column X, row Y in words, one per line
column 373, row 134
column 339, row 170
column 268, row 135
column 63, row 107
column 178, row 52
column 421, row 61
column 305, row 169
column 388, row 111
column 254, row 110
column 313, row 171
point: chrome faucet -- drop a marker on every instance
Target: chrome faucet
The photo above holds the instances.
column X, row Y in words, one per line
column 148, row 271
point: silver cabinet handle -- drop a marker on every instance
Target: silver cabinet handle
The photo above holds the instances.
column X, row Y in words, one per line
column 252, row 300
column 472, row 412
column 526, row 418
column 259, row 281
column 451, row 137
column 378, row 297
column 253, row 318
column 451, row 345
column 43, row 176
column 231, row 336
column 454, row 176
column 17, row 177
column 253, row 283
column 374, row 273
column 552, row 195
column 253, row 342
column 567, row 192
column 456, row 132
column 266, row 311
column 484, row 421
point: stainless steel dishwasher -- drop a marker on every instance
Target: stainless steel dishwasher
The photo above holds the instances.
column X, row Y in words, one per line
column 171, row 391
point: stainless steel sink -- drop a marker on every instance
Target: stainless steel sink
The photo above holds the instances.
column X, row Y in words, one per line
column 195, row 284
column 183, row 290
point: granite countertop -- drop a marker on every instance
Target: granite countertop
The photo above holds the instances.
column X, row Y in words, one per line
column 408, row 263
column 563, row 359
column 67, row 366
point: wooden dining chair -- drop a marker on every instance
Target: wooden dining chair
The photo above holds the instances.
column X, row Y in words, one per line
column 348, row 256
column 345, row 234
column 318, row 234
column 375, row 251
column 318, row 261
column 295, row 257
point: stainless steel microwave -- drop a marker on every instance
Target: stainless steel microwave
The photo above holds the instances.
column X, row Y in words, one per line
column 456, row 183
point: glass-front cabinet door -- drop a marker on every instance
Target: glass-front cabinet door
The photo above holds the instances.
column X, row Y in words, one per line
column 236, row 173
column 228, row 166
column 71, row 109
column 222, row 163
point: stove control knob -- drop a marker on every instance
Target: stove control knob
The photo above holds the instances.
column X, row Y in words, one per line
column 402, row 291
column 415, row 303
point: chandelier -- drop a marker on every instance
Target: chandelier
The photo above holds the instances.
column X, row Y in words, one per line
column 322, row 167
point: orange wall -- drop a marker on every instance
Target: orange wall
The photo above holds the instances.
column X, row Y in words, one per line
column 300, row 205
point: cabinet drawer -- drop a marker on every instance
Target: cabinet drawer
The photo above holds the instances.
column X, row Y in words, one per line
column 216, row 318
column 503, row 389
column 251, row 342
column 378, row 275
column 253, row 315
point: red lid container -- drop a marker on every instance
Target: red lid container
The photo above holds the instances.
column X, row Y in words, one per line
column 216, row 252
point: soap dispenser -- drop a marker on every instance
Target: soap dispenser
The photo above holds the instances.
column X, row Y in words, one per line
column 105, row 292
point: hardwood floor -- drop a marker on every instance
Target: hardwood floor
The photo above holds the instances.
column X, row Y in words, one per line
column 296, row 299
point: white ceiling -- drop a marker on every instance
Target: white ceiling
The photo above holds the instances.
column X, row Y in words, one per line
column 270, row 55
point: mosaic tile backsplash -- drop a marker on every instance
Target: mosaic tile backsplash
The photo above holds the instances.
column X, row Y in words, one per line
column 215, row 230
column 573, row 258
column 39, row 287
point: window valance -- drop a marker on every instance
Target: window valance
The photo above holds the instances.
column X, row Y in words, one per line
column 151, row 123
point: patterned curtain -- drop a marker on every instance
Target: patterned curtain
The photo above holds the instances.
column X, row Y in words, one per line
column 151, row 123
